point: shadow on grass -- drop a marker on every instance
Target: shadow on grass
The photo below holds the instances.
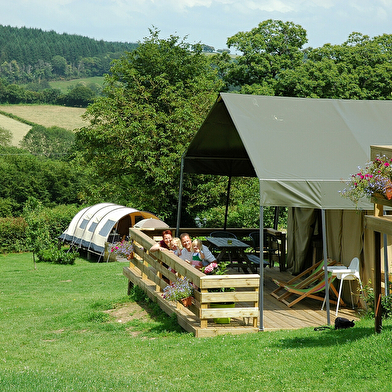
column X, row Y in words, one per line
column 158, row 322
column 329, row 337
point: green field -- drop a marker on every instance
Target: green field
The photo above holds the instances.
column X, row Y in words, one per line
column 66, row 85
column 72, row 328
column 46, row 115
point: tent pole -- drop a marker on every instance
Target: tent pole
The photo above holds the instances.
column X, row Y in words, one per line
column 261, row 283
column 276, row 218
column 227, row 202
column 180, row 197
column 325, row 265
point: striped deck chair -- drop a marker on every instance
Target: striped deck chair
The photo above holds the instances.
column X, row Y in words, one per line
column 309, row 292
column 312, row 274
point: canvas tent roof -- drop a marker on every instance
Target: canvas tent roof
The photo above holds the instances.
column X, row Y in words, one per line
column 90, row 227
column 302, row 150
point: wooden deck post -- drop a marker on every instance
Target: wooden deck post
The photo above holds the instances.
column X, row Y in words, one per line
column 377, row 283
column 203, row 322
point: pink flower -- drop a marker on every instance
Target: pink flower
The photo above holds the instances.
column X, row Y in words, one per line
column 210, row 268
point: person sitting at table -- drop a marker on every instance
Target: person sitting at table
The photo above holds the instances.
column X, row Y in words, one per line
column 187, row 252
column 164, row 243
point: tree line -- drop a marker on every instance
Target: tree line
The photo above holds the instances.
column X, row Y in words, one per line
column 80, row 95
column 32, row 55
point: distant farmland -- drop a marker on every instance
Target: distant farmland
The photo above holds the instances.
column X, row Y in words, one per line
column 46, row 115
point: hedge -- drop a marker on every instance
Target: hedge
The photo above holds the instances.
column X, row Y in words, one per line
column 13, row 230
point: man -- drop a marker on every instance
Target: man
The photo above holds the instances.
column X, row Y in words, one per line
column 187, row 252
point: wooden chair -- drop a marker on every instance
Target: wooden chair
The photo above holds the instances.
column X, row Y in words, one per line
column 310, row 292
column 303, row 280
column 271, row 245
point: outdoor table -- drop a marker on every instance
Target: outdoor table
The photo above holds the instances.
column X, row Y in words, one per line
column 234, row 250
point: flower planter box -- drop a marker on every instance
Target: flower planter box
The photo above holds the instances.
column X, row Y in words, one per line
column 222, row 320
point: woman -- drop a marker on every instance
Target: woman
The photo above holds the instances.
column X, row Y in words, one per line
column 164, row 243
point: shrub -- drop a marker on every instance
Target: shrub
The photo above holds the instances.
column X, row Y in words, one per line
column 12, row 235
column 56, row 256
column 41, row 225
column 386, row 301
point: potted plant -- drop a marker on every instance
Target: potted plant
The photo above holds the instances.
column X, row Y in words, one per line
column 123, row 249
column 374, row 180
column 180, row 290
column 219, row 269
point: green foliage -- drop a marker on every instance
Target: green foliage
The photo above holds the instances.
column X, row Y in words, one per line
column 37, row 231
column 79, row 96
column 30, row 54
column 7, row 205
column 53, row 142
column 155, row 99
column 138, row 295
column 51, row 182
column 268, row 49
column 273, row 62
column 5, row 137
column 386, row 301
column 41, row 238
column 15, row 236
column 12, row 235
column 244, row 205
column 52, row 254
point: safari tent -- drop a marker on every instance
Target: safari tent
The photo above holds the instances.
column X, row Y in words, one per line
column 93, row 226
column 302, row 151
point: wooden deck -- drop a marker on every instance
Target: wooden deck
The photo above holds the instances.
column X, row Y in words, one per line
column 276, row 315
column 151, row 272
column 307, row 313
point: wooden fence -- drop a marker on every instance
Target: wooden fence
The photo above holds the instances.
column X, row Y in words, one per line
column 150, row 271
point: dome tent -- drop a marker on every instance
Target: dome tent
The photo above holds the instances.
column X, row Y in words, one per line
column 93, row 226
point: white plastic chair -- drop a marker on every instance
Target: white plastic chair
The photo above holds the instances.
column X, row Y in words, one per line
column 351, row 273
column 345, row 273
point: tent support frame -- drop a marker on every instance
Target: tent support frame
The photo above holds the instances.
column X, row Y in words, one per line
column 323, row 222
column 261, row 284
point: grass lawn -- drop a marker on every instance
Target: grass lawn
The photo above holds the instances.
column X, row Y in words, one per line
column 56, row 335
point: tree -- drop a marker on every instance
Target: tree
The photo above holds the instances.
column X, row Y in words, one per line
column 51, row 182
column 153, row 102
column 267, row 50
column 5, row 137
column 78, row 96
column 59, row 65
column 53, row 142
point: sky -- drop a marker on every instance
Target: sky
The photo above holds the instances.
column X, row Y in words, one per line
column 210, row 22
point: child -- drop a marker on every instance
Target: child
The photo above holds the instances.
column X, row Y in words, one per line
column 175, row 246
column 197, row 256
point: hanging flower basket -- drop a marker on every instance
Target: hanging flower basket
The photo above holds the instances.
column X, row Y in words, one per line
column 374, row 180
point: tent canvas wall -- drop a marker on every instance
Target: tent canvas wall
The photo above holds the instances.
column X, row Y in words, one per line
column 302, row 150
column 90, row 228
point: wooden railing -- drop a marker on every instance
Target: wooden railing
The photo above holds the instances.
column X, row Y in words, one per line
column 151, row 272
column 272, row 236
